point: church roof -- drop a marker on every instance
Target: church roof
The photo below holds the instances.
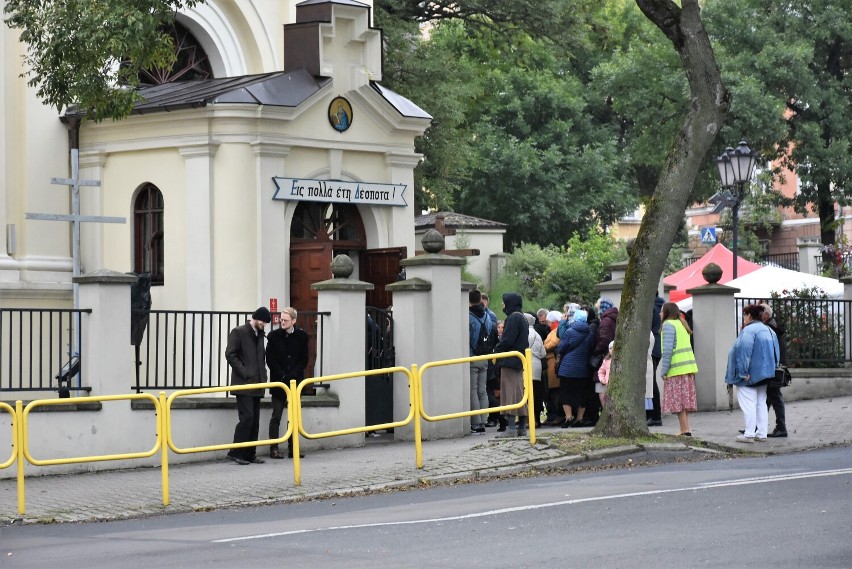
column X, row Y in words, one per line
column 456, row 221
column 281, row 89
column 277, row 89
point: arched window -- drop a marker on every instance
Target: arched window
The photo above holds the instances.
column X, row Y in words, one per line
column 148, row 233
column 191, row 62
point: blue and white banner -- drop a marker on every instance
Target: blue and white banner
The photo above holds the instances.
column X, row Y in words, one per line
column 307, row 190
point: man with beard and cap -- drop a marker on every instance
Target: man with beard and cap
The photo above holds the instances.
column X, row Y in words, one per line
column 246, row 354
column 515, row 338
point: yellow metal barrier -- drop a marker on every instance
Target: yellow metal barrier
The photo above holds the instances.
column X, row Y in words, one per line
column 227, row 446
column 527, row 399
column 354, row 430
column 93, row 399
column 22, row 450
column 9, row 409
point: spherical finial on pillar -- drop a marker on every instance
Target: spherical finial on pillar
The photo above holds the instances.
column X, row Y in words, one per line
column 342, row 267
column 712, row 273
column 433, row 242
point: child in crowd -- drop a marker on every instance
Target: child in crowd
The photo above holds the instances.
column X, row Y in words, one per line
column 603, row 376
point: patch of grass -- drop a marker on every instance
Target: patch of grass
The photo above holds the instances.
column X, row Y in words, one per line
column 581, row 443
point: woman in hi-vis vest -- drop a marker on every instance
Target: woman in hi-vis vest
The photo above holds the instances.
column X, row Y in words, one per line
column 677, row 367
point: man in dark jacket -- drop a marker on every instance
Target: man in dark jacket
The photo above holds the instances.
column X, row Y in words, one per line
column 774, row 398
column 655, row 416
column 245, row 354
column 515, row 338
column 287, row 357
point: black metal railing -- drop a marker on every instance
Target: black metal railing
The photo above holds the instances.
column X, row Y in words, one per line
column 186, row 349
column 833, row 266
column 35, row 343
column 785, row 260
column 815, row 330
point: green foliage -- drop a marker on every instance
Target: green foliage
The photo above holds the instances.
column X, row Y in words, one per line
column 551, row 276
column 814, row 332
column 516, row 137
column 787, row 65
column 89, row 53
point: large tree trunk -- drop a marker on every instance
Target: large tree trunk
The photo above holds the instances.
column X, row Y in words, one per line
column 624, row 415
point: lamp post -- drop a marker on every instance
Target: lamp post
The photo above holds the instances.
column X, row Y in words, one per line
column 736, row 166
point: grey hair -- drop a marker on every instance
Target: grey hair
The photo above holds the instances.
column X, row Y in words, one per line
column 542, row 311
column 766, row 309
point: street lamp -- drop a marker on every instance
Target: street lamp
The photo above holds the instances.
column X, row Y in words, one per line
column 735, row 169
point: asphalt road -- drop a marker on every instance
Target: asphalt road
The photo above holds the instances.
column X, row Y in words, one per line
column 775, row 512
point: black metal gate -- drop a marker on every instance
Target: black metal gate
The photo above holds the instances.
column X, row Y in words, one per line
column 380, row 353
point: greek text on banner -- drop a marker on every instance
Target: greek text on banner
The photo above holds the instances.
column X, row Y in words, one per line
column 302, row 189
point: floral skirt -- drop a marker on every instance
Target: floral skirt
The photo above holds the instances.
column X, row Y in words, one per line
column 679, row 394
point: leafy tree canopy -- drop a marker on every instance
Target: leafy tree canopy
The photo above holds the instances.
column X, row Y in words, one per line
column 89, row 52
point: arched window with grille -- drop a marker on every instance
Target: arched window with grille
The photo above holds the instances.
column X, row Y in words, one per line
column 148, row 242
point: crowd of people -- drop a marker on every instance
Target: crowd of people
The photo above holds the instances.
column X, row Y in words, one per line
column 572, row 351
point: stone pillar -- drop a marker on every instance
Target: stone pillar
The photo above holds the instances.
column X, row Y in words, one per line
column 106, row 355
column 809, row 250
column 344, row 345
column 496, row 263
column 847, row 295
column 430, row 325
column 715, row 319
column 613, row 288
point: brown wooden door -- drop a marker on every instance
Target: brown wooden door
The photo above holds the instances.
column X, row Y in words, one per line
column 309, row 263
column 380, row 267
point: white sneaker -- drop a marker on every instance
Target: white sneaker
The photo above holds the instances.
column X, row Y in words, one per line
column 744, row 439
column 759, row 439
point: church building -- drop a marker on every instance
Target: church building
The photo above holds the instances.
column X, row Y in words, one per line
column 269, row 148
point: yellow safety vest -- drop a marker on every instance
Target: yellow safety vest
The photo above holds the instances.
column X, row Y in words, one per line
column 683, row 360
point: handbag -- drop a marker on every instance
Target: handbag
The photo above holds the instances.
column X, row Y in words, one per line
column 782, row 374
column 782, row 377
column 596, row 361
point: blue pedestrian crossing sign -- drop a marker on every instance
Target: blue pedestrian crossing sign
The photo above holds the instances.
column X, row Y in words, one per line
column 708, row 235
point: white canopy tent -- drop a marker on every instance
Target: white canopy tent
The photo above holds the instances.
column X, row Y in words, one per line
column 766, row 280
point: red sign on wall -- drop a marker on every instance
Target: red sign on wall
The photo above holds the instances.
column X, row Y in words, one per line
column 273, row 308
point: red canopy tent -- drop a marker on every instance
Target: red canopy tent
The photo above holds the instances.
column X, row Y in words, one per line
column 691, row 276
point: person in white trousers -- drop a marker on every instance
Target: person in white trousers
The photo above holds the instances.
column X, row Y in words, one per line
column 751, row 365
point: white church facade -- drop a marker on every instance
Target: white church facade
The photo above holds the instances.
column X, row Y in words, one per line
column 237, row 187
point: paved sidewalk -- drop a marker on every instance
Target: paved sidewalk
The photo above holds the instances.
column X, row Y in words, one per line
column 378, row 465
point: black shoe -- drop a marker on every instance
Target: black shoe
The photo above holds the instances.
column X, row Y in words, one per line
column 275, row 453
column 477, row 430
column 777, row 433
column 238, row 460
column 491, row 424
column 655, row 423
column 501, row 428
column 583, row 423
column 256, row 460
column 568, row 423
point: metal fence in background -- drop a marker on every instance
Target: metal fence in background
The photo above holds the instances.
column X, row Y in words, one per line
column 785, row 260
column 34, row 345
column 186, row 349
column 814, row 331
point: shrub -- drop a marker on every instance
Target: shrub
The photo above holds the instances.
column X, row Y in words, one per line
column 814, row 330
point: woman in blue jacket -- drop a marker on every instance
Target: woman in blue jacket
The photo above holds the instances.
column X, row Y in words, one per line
column 575, row 347
column 751, row 365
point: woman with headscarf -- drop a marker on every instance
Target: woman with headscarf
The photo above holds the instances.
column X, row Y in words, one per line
column 677, row 367
column 751, row 365
column 575, row 346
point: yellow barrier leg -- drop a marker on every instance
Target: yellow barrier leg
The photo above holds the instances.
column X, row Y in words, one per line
column 531, row 403
column 294, row 415
column 163, row 428
column 416, row 400
column 19, row 453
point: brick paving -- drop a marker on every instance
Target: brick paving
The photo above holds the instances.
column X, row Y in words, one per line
column 379, row 465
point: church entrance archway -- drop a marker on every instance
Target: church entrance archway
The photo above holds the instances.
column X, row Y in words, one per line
column 319, row 232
